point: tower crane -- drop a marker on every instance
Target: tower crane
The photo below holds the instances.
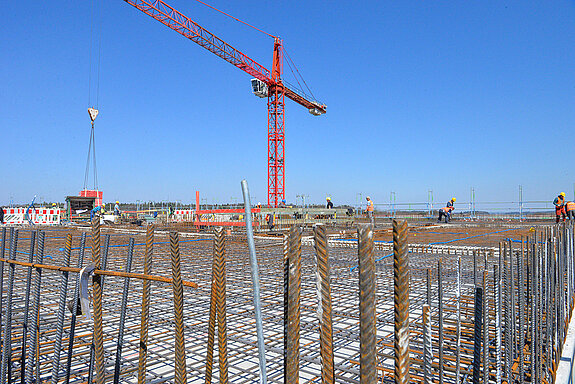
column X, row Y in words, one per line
column 265, row 84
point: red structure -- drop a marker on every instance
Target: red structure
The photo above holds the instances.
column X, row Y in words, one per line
column 266, row 84
column 90, row 193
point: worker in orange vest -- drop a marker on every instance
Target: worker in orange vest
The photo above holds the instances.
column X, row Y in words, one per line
column 559, row 204
column 445, row 212
column 570, row 209
column 369, row 210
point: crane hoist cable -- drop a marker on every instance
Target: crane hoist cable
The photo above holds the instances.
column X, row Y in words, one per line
column 95, row 23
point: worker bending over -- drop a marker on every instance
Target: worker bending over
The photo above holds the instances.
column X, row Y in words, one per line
column 329, row 204
column 370, row 210
column 97, row 211
column 446, row 212
column 559, row 204
column 570, row 210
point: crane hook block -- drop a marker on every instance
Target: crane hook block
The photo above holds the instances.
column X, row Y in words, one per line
column 93, row 114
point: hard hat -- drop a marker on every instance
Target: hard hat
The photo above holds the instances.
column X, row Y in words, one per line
column 117, row 202
column 562, row 194
column 53, row 204
column 368, row 198
column 453, row 198
column 328, row 198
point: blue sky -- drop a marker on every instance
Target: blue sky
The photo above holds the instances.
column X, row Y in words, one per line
column 439, row 95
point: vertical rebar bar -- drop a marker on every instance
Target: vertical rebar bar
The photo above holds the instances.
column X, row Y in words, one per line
column 220, row 253
column 324, row 305
column 458, row 322
column 401, row 301
column 5, row 376
column 2, row 252
column 294, row 305
column 367, row 303
column 429, row 287
column 255, row 281
column 123, row 307
column 286, row 301
column 427, row 345
column 212, row 321
column 97, row 293
column 477, row 335
column 497, row 300
column 33, row 357
column 178, row 289
column 61, row 311
column 440, row 317
column 521, row 312
column 26, row 308
column 485, row 330
column 74, row 308
column 145, row 316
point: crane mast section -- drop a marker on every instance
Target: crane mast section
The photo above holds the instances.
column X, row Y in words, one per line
column 185, row 26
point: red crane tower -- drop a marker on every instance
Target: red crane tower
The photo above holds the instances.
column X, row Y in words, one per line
column 266, row 83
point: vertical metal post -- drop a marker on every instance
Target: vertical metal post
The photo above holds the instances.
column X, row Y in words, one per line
column 458, row 321
column 123, row 307
column 75, row 310
column 219, row 252
column 255, row 281
column 2, row 252
column 401, row 301
column 26, row 308
column 5, row 376
column 286, row 301
column 97, row 293
column 485, row 331
column 429, row 287
column 427, row 345
column 440, row 306
column 294, row 292
column 367, row 302
column 497, row 299
column 212, row 322
column 178, row 289
column 61, row 312
column 521, row 309
column 324, row 298
column 477, row 334
column 145, row 317
column 33, row 357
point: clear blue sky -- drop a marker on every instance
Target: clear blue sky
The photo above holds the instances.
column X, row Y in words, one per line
column 442, row 95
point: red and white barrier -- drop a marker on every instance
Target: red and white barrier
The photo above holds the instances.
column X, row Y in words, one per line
column 182, row 215
column 39, row 216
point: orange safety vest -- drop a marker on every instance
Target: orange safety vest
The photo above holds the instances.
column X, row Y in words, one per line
column 570, row 206
column 560, row 200
column 370, row 206
column 447, row 209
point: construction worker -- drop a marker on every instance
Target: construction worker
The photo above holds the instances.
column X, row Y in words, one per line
column 99, row 210
column 570, row 210
column 445, row 212
column 270, row 220
column 450, row 202
column 117, row 211
column 329, row 203
column 370, row 210
column 559, row 204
